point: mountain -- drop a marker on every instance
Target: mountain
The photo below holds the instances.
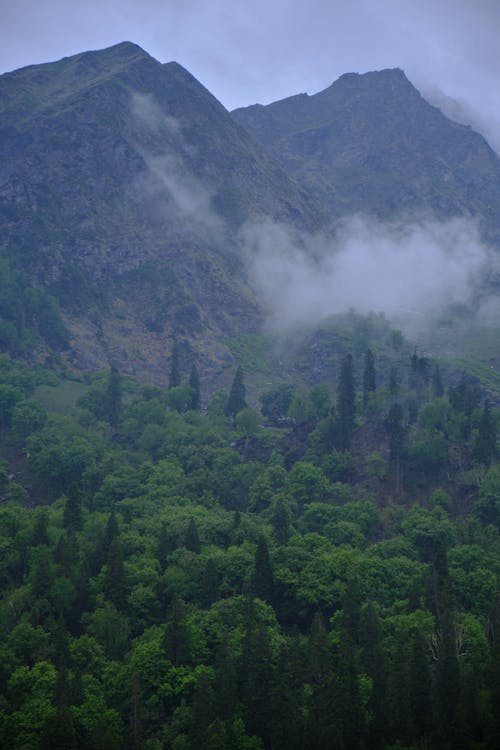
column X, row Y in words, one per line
column 370, row 143
column 125, row 186
column 122, row 184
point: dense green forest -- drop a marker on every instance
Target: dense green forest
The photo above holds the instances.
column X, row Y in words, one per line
column 315, row 567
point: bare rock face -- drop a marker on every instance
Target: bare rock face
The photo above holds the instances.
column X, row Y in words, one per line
column 370, row 143
column 123, row 183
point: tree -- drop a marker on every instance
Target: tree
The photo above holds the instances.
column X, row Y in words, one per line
column 114, row 397
column 397, row 440
column 264, row 578
column 194, row 384
column 175, row 374
column 369, row 377
column 486, row 441
column 280, row 521
column 247, row 421
column 437, row 382
column 275, row 403
column 192, row 540
column 236, row 401
column 114, row 582
column 72, row 518
column 346, row 404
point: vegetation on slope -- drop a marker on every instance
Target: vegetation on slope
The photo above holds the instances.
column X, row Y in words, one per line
column 324, row 574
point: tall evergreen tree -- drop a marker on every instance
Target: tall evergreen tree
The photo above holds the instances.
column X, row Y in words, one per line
column 369, row 377
column 421, row 688
column 175, row 373
column 114, row 582
column 114, row 397
column 280, row 521
column 192, row 539
column 264, row 578
column 486, row 442
column 393, row 382
column 176, row 637
column 237, row 396
column 397, row 441
column 72, row 518
column 194, row 384
column 374, row 665
column 437, row 382
column 346, row 402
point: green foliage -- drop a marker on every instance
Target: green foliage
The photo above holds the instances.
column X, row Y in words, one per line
column 237, row 395
column 185, row 587
column 276, row 403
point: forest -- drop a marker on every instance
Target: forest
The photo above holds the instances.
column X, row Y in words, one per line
column 315, row 567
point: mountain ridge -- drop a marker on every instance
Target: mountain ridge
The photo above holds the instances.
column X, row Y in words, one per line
column 124, row 184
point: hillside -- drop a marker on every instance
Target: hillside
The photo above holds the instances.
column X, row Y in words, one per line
column 122, row 182
column 370, row 143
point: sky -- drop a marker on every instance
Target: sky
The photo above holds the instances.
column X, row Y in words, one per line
column 260, row 51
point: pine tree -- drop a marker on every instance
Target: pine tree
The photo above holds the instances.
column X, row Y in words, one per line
column 210, row 583
column 374, row 666
column 280, row 521
column 346, row 403
column 393, row 382
column 264, row 578
column 194, row 384
column 176, row 638
column 397, row 441
column 236, row 401
column 486, row 442
column 114, row 397
column 437, row 382
column 421, row 687
column 40, row 532
column 192, row 540
column 72, row 518
column 369, row 377
column 175, row 373
column 114, row 582
column 111, row 531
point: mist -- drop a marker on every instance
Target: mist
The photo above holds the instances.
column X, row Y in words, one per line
column 410, row 272
column 168, row 186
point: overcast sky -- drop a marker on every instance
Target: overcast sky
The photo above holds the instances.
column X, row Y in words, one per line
column 246, row 52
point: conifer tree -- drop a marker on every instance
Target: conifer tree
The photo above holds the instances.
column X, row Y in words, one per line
column 437, row 382
column 280, row 521
column 114, row 397
column 421, row 687
column 397, row 441
column 114, row 582
column 176, row 637
column 236, row 401
column 485, row 445
column 175, row 373
column 264, row 578
column 346, row 402
column 194, row 384
column 393, row 382
column 369, row 377
column 192, row 540
column 72, row 518
column 40, row 533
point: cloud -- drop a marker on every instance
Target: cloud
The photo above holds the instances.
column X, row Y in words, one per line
column 168, row 186
column 410, row 272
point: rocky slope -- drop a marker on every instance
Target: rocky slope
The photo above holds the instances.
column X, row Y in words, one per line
column 122, row 184
column 370, row 143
